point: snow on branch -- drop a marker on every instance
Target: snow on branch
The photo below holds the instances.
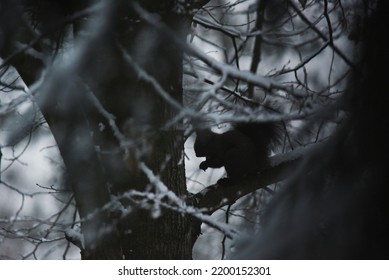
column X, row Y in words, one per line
column 177, row 204
column 153, row 201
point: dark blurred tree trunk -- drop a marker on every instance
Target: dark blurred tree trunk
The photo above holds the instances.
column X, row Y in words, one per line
column 96, row 164
column 336, row 206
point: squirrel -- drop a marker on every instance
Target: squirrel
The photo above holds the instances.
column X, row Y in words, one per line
column 243, row 151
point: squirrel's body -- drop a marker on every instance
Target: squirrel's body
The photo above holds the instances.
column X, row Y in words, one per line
column 242, row 151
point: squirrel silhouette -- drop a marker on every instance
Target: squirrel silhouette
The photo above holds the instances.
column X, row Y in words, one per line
column 243, row 151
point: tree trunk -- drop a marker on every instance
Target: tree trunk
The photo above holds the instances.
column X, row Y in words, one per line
column 141, row 113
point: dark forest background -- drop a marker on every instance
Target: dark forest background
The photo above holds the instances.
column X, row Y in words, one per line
column 99, row 101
